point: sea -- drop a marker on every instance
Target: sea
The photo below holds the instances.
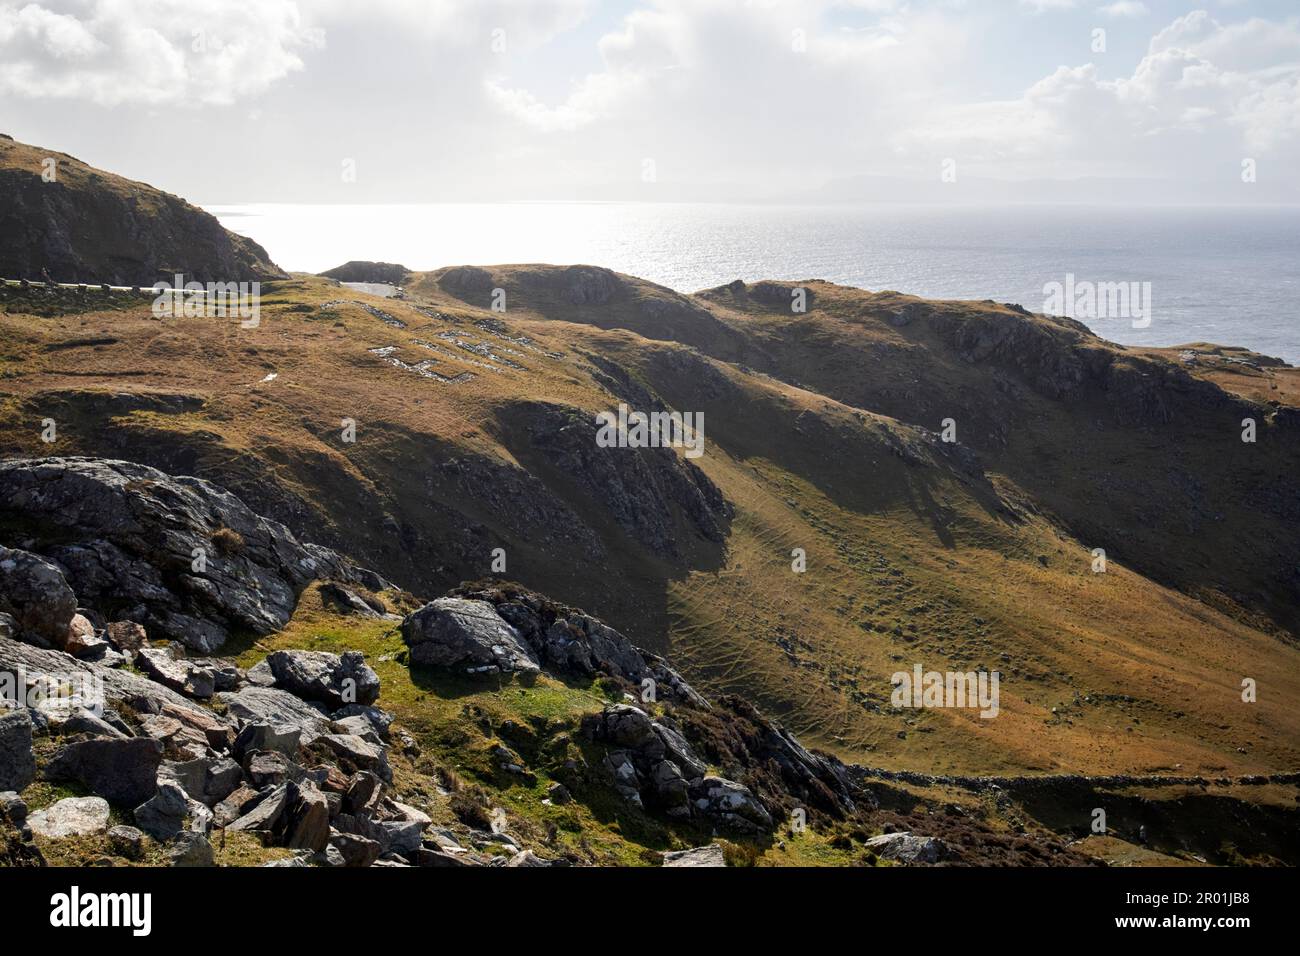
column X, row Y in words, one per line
column 1223, row 274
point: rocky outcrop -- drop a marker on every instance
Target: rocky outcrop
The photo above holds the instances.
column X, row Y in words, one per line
column 907, row 848
column 34, row 593
column 90, row 226
column 651, row 764
column 568, row 641
column 642, row 489
column 181, row 556
column 467, row 636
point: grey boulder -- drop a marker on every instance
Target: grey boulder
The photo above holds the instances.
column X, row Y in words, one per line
column 123, row 772
column 17, row 761
column 328, row 678
column 467, row 636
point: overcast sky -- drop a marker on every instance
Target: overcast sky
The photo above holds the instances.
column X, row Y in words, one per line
column 227, row 101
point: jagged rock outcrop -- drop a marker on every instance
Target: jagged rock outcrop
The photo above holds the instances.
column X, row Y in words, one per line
column 89, row 226
column 466, row 636
column 642, row 489
column 181, row 556
column 570, row 641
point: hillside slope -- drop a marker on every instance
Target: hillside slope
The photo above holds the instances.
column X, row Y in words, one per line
column 84, row 225
column 474, row 432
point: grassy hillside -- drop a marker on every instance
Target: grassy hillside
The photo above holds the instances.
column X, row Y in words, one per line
column 474, row 432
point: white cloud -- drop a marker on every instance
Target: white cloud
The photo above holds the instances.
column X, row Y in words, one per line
column 1124, row 8
column 150, row 51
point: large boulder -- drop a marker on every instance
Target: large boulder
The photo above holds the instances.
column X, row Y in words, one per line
column 710, row 855
column 279, row 708
column 317, row 675
column 73, row 816
column 907, row 847
column 466, row 636
column 17, row 762
column 36, row 595
column 181, row 556
column 123, row 771
column 181, row 675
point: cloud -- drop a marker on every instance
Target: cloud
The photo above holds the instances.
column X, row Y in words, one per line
column 1124, row 8
column 156, row 52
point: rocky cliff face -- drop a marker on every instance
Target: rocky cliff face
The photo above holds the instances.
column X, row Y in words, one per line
column 85, row 225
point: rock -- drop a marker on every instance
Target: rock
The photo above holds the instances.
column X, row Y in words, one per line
column 265, row 815
column 191, row 849
column 84, row 722
column 17, row 761
column 379, row 720
column 358, row 754
column 122, row 688
column 328, row 678
column 13, row 808
column 364, row 794
column 124, row 772
column 270, row 705
column 282, row 739
column 467, row 636
column 37, row 597
column 260, row 675
column 163, row 815
column 82, row 641
column 73, row 816
column 354, row 850
column 270, row 769
column 527, row 858
column 731, row 805
column 394, row 836
column 710, row 855
column 125, row 535
column 358, row 727
column 427, row 856
column 240, row 802
column 127, row 636
column 568, row 641
column 346, row 601
column 126, row 841
column 208, row 779
column 631, row 727
column 907, row 847
column 307, row 819
column 180, row 675
column 559, row 794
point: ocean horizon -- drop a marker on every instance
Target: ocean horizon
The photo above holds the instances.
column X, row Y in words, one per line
column 1223, row 274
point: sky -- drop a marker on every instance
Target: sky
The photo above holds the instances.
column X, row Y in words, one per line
column 232, row 101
